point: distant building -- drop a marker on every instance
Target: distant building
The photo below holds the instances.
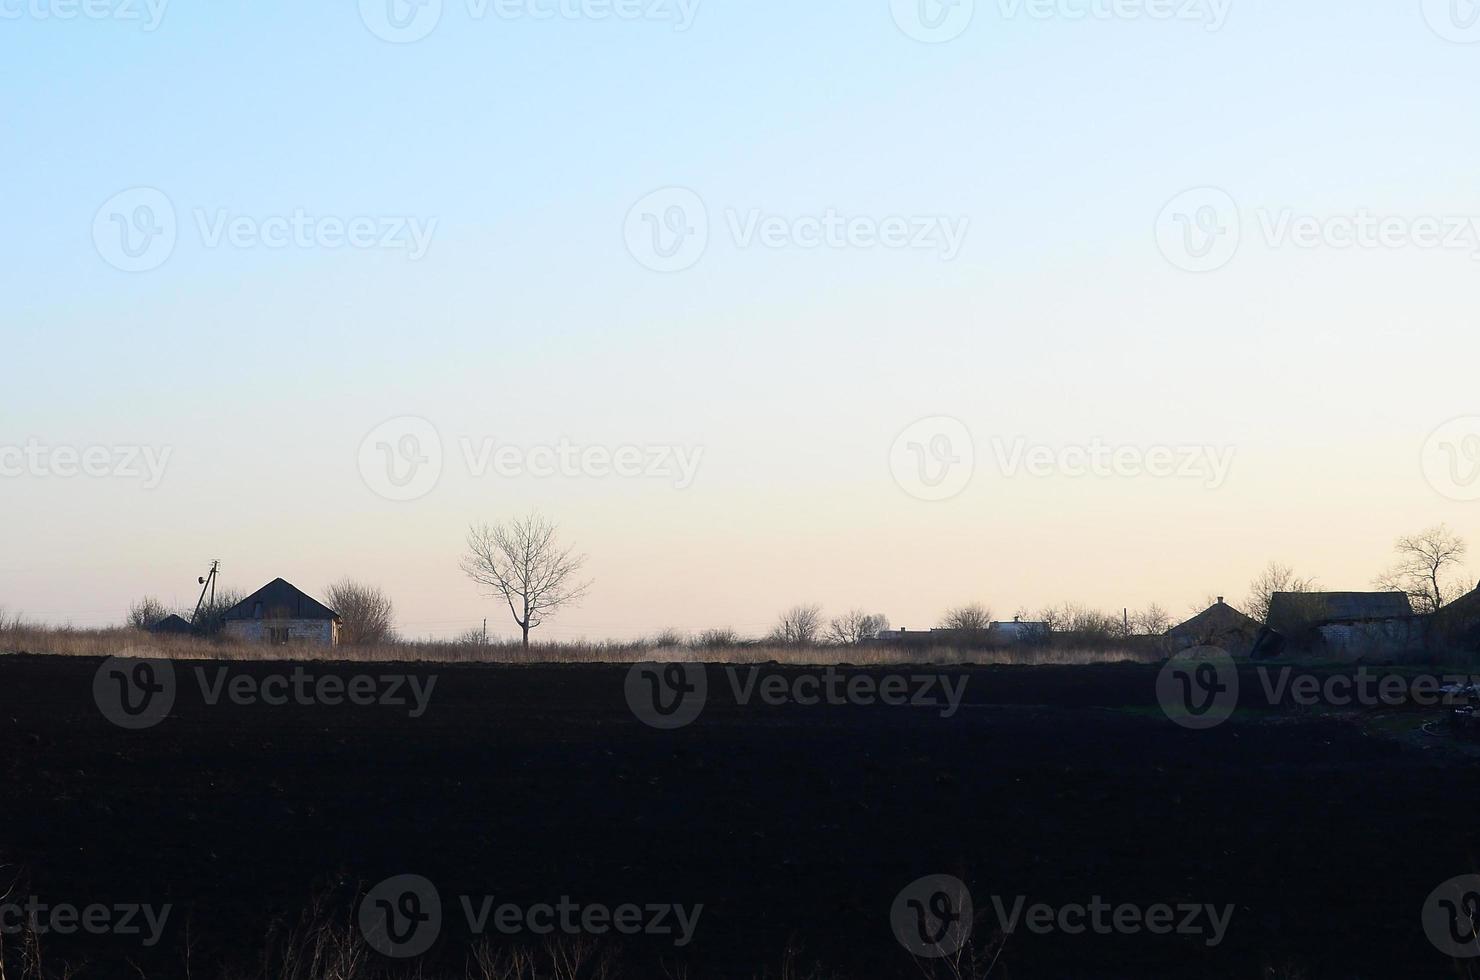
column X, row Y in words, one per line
column 1347, row 624
column 1220, row 625
column 1456, row 627
column 173, row 625
column 1020, row 629
column 281, row 613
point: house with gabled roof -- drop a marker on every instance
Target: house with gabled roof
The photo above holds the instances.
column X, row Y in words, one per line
column 1220, row 625
column 1347, row 624
column 280, row 613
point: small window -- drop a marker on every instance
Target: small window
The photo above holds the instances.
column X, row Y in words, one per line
column 257, row 611
column 278, row 635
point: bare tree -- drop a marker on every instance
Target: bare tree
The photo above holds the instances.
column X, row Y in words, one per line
column 1151, row 621
column 717, row 639
column 799, row 626
column 1423, row 560
column 367, row 614
column 855, row 626
column 971, row 618
column 211, row 617
column 1276, row 577
column 146, row 612
column 524, row 563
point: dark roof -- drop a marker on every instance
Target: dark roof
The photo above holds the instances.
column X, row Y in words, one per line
column 1220, row 617
column 1298, row 610
column 280, row 599
column 1462, row 613
column 172, row 624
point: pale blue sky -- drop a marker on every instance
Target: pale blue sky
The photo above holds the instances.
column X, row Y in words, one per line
column 528, row 141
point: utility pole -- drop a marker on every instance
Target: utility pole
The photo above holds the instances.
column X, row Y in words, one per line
column 206, row 581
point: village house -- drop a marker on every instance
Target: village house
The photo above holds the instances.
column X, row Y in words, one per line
column 1344, row 624
column 1220, row 625
column 280, row 613
column 1456, row 627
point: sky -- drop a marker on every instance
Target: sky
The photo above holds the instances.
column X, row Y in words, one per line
column 889, row 305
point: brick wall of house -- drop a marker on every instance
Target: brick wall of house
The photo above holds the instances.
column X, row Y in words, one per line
column 316, row 632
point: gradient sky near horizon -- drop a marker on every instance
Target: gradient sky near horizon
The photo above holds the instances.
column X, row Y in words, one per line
column 1061, row 141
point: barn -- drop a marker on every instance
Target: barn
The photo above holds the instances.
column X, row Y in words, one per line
column 1347, row 624
column 280, row 613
